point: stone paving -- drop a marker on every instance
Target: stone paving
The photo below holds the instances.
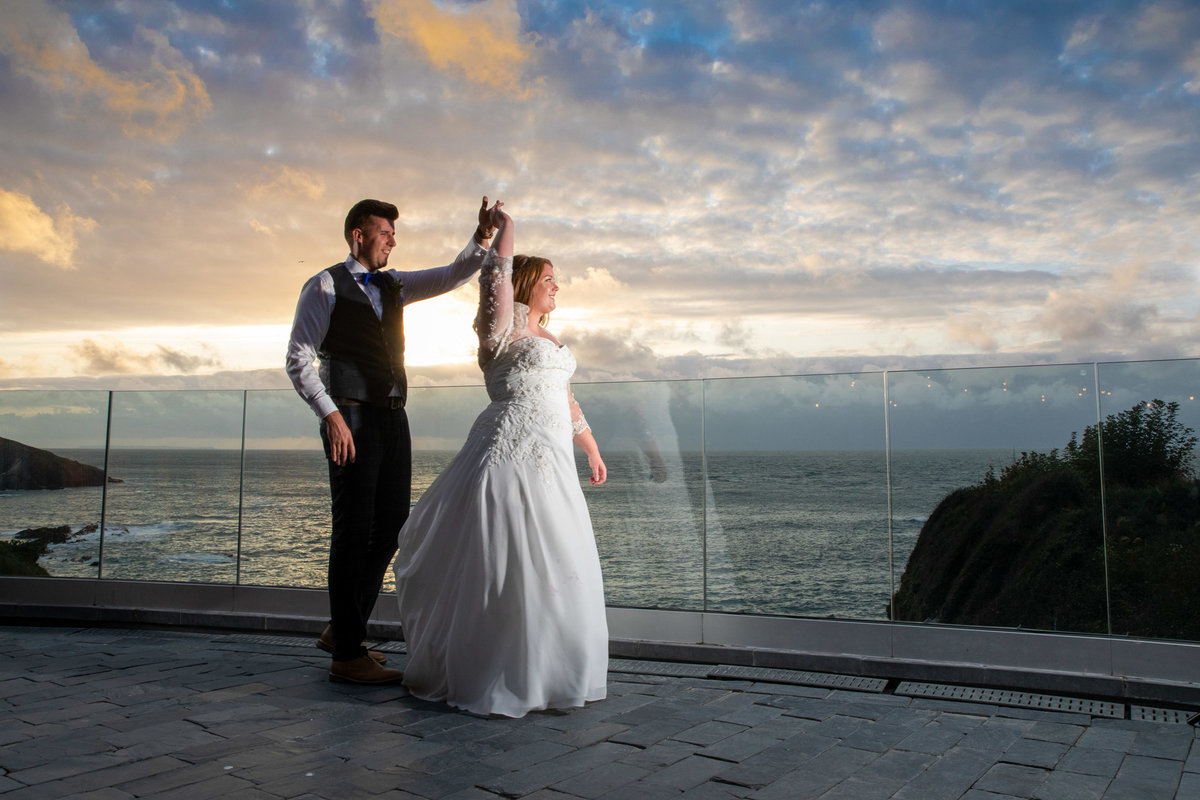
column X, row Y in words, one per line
column 119, row 713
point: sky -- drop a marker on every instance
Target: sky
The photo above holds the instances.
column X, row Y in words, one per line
column 727, row 189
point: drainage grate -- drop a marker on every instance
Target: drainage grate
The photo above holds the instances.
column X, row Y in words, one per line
column 663, row 668
column 1045, row 702
column 800, row 678
column 257, row 638
column 1171, row 715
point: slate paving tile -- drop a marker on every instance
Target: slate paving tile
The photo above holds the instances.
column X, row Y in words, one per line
column 709, row 732
column 1062, row 733
column 789, row 689
column 818, row 775
column 539, row 776
column 174, row 780
column 583, row 737
column 1189, row 785
column 469, row 793
column 1107, row 738
column 1033, row 753
column 602, row 780
column 714, row 790
column 408, row 751
column 768, row 766
column 649, row 732
column 64, row 767
column 838, row 726
column 1060, row 785
column 807, row 707
column 934, row 738
column 1043, row 715
column 1155, row 777
column 527, row 755
column 1092, row 761
column 659, row 755
column 753, row 714
column 688, row 773
column 1171, row 742
column 950, row 776
column 739, row 746
column 995, row 735
column 1013, row 779
column 783, row 727
column 1193, row 760
column 878, row 737
column 645, row 791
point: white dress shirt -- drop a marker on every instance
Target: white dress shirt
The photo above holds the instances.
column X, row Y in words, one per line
column 315, row 306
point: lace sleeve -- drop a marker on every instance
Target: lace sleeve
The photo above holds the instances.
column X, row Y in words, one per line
column 578, row 423
column 494, row 320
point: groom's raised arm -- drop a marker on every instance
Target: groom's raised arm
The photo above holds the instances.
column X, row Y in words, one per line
column 425, row 283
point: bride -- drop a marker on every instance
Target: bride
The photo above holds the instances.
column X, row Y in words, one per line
column 497, row 575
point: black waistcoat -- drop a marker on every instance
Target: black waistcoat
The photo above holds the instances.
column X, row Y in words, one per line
column 364, row 354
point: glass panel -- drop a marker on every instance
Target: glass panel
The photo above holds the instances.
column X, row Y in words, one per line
column 649, row 515
column 439, row 418
column 797, row 520
column 51, row 482
column 997, row 537
column 285, row 494
column 174, row 514
column 1151, row 417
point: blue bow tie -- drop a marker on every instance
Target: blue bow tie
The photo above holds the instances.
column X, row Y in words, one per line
column 366, row 277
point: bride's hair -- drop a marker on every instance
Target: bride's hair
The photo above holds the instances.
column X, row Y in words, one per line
column 526, row 271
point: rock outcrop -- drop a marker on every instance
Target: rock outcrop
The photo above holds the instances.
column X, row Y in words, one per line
column 25, row 467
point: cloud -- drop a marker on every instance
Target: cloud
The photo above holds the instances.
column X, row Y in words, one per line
column 97, row 358
column 480, row 41
column 284, row 184
column 25, row 228
column 158, row 99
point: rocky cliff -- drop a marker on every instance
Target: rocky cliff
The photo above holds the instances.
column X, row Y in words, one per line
column 25, row 467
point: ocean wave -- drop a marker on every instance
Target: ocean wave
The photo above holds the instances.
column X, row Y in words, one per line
column 199, row 558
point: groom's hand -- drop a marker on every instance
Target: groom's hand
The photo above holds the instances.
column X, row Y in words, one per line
column 341, row 442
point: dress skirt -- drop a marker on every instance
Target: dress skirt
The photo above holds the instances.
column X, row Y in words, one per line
column 499, row 584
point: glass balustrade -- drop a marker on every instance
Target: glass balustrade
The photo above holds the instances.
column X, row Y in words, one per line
column 649, row 515
column 1152, row 499
column 983, row 533
column 796, row 496
column 960, row 496
column 173, row 516
column 52, row 481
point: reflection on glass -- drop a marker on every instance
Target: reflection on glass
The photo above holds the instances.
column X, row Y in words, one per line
column 1151, row 417
column 993, row 525
column 797, row 519
column 285, row 494
column 174, row 516
column 648, row 517
column 439, row 419
column 51, row 482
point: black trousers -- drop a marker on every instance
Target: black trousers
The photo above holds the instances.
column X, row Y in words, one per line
column 371, row 497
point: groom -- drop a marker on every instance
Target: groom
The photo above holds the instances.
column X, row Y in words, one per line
column 350, row 317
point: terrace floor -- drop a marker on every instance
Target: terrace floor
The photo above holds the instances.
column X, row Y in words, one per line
column 95, row 712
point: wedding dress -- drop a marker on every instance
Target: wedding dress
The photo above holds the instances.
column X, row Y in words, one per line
column 497, row 574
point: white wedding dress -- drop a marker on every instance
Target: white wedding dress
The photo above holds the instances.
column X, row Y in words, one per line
column 497, row 574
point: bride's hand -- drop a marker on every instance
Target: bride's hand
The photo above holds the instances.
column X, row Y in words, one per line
column 599, row 471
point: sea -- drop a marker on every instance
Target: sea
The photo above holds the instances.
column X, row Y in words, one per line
column 811, row 533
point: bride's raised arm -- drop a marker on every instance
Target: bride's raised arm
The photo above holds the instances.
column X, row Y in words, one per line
column 494, row 320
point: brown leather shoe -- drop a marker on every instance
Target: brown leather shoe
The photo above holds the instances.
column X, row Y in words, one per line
column 325, row 642
column 363, row 669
